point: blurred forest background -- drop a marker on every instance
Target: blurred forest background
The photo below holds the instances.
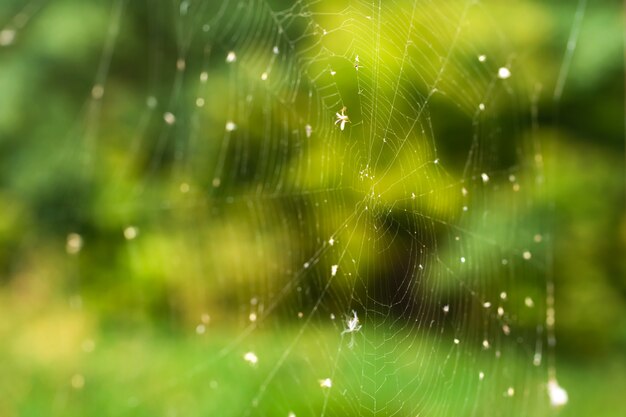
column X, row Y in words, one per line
column 94, row 273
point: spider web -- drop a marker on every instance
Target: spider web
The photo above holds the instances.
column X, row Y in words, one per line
column 394, row 267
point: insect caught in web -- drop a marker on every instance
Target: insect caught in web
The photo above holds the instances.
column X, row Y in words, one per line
column 352, row 326
column 342, row 118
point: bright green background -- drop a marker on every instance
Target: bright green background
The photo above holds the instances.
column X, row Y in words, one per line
column 69, row 166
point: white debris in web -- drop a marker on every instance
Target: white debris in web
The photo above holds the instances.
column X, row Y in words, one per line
column 558, row 395
column 527, row 255
column 131, row 232
column 184, row 8
column 251, row 358
column 504, row 73
column 308, row 130
column 333, row 270
column 230, row 126
column 484, row 177
column 510, row 392
column 529, row 302
column 326, row 383
column 357, row 65
column 7, row 36
column 482, row 58
column 231, row 57
column 97, row 92
column 352, row 324
column 74, row 243
column 169, row 118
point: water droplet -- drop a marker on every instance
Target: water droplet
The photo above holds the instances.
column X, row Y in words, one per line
column 7, row 36
column 74, row 243
column 326, row 383
column 251, row 358
column 131, row 232
column 169, row 118
column 97, row 92
column 558, row 396
column 504, row 73
column 230, row 126
column 231, row 57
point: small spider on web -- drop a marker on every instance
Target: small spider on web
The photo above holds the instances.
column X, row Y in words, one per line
column 352, row 326
column 342, row 118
